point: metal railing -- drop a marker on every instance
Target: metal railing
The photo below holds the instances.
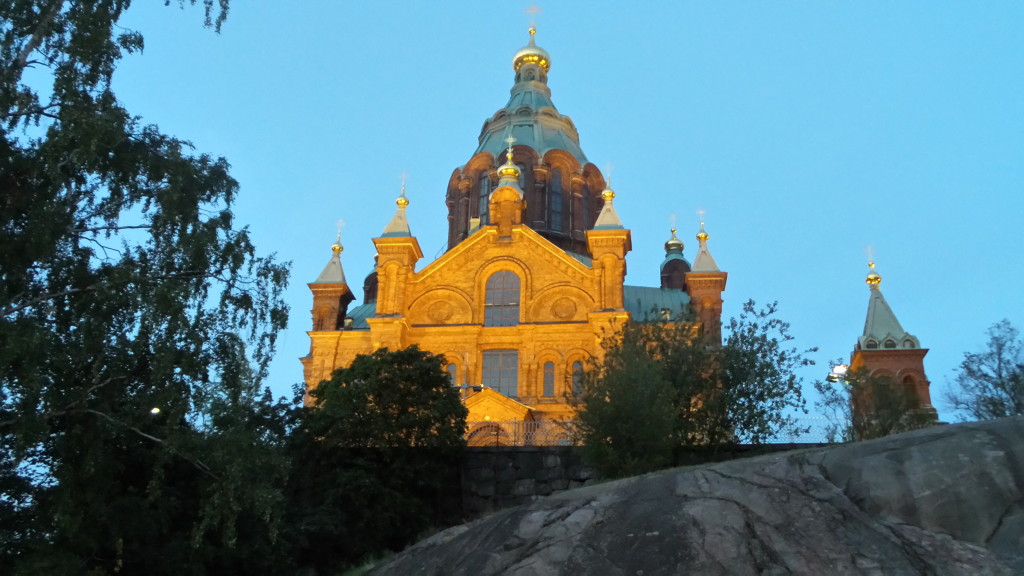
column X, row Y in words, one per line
column 807, row 430
column 516, row 433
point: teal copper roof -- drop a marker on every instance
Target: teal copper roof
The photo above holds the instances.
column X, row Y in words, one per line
column 531, row 118
column 360, row 313
column 645, row 304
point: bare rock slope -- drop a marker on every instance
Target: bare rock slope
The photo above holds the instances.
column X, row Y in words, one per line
column 947, row 500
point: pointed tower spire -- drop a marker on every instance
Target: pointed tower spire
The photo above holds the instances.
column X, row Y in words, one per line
column 886, row 349
column 705, row 284
column 331, row 294
column 333, row 272
column 399, row 225
column 704, row 262
column 881, row 328
column 608, row 219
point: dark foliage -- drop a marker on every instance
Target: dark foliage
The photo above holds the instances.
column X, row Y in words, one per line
column 990, row 384
column 662, row 386
column 863, row 407
column 136, row 322
column 375, row 456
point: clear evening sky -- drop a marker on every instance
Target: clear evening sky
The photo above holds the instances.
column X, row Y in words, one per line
column 807, row 131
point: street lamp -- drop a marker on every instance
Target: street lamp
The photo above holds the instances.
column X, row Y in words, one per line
column 838, row 373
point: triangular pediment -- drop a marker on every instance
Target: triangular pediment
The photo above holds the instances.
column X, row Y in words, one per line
column 490, row 405
column 467, row 252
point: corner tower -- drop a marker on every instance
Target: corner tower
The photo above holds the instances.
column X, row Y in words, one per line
column 561, row 188
column 886, row 349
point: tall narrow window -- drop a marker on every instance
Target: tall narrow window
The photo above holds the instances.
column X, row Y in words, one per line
column 577, row 378
column 501, row 371
column 483, row 198
column 555, row 200
column 501, row 304
column 453, row 374
column 549, row 379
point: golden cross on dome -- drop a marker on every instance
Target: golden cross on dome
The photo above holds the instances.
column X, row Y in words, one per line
column 533, row 11
column 511, row 140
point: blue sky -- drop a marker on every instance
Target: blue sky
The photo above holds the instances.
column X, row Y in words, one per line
column 807, row 131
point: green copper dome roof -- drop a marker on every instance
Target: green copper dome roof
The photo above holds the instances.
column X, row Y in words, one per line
column 530, row 116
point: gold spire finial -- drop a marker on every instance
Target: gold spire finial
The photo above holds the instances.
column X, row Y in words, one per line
column 509, row 169
column 874, row 278
column 337, row 247
column 608, row 195
column 702, row 236
column 402, row 201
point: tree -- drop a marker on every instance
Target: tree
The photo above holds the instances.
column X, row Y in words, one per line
column 860, row 406
column 136, row 322
column 661, row 386
column 990, row 384
column 375, row 453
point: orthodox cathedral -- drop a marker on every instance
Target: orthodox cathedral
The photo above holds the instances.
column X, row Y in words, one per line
column 532, row 278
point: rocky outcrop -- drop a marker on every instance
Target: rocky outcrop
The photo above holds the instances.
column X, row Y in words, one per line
column 947, row 500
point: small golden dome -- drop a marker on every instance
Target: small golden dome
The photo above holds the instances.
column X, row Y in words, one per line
column 531, row 54
column 873, row 279
column 337, row 247
column 402, row 201
column 674, row 243
column 608, row 194
column 509, row 170
column 702, row 236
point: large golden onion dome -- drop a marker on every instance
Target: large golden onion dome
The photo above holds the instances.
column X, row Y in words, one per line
column 531, row 54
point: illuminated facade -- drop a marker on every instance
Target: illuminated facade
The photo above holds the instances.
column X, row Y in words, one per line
column 533, row 277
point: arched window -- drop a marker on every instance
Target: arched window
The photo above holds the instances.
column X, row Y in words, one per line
column 549, row 379
column 577, row 378
column 453, row 374
column 483, row 198
column 555, row 200
column 890, row 343
column 871, row 345
column 501, row 304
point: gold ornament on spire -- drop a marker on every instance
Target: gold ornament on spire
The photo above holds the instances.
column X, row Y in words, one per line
column 873, row 279
column 337, row 247
column 608, row 194
column 402, row 201
column 509, row 169
column 702, row 236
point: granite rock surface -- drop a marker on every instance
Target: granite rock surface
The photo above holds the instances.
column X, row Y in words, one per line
column 946, row 500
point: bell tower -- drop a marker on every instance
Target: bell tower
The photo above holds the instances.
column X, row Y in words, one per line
column 886, row 349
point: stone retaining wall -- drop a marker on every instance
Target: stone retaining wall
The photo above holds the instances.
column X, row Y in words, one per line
column 493, row 478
